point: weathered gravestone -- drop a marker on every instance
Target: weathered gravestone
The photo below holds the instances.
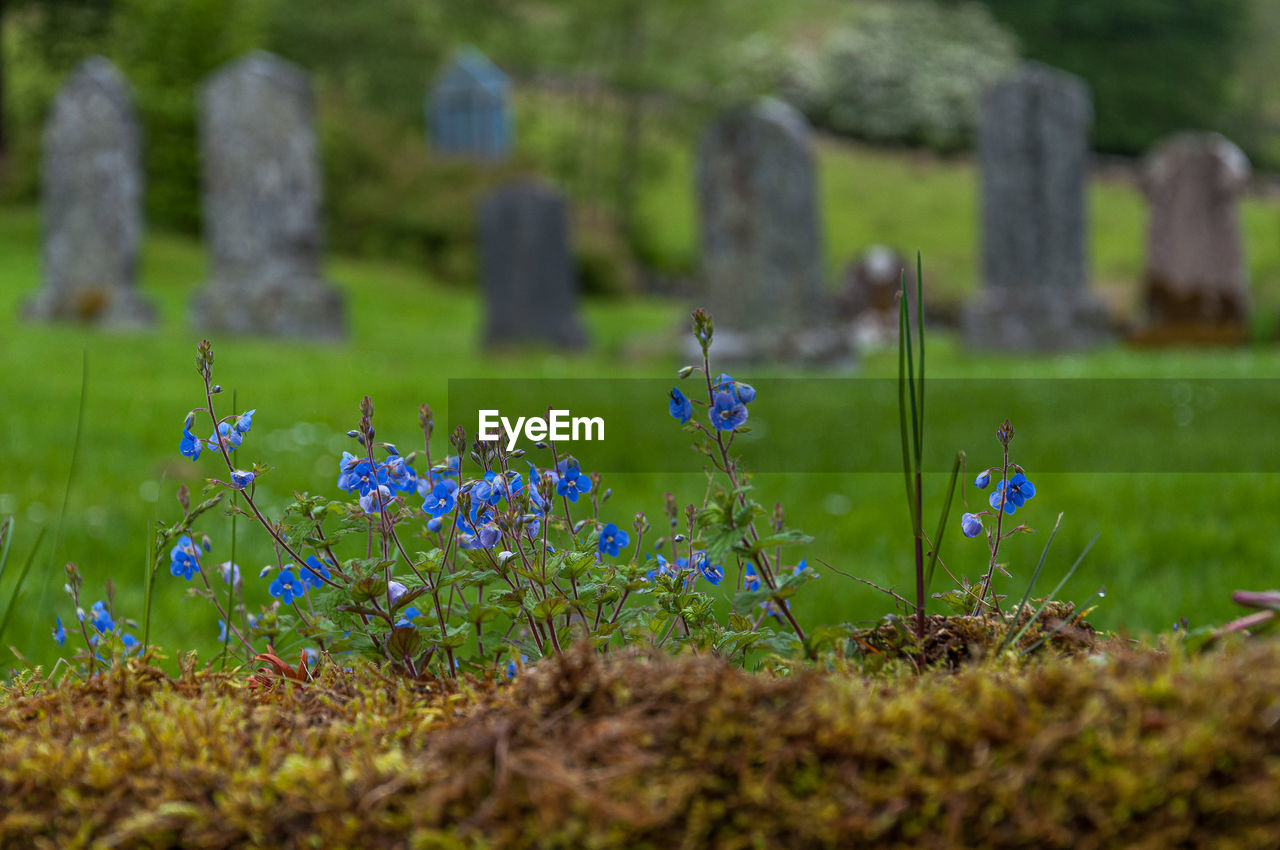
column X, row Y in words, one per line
column 1033, row 149
column 91, row 201
column 468, row 107
column 526, row 268
column 262, row 201
column 1196, row 286
column 762, row 255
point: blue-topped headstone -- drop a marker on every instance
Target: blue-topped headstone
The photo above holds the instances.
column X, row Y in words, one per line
column 468, row 108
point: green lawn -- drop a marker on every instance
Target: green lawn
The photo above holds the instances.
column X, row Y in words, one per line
column 1171, row 545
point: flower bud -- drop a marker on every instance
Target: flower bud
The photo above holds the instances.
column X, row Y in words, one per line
column 971, row 525
column 983, row 479
column 685, row 371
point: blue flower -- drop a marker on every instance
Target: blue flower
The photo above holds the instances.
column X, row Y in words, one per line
column 751, row 580
column 434, row 525
column 612, row 539
column 572, row 482
column 711, row 572
column 184, row 558
column 744, row 393
column 512, row 669
column 191, row 444
column 408, row 614
column 241, row 479
column 230, row 572
column 314, row 572
column 983, row 479
column 222, row 631
column 59, row 633
column 372, row 501
column 131, row 644
column 662, row 569
column 226, row 436
column 680, row 407
column 971, row 525
column 245, row 422
column 100, row 618
column 287, row 587
column 400, row 475
column 728, row 413
column 441, row 500
column 1018, row 488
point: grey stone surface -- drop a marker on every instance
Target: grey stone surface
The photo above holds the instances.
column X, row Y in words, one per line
column 1033, row 150
column 526, row 269
column 91, row 202
column 262, row 202
column 761, row 236
column 1196, row 272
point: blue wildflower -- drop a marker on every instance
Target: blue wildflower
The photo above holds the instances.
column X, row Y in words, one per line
column 983, row 479
column 434, row 525
column 400, row 475
column 512, row 669
column 680, row 407
column 287, row 587
column 184, row 558
column 100, row 618
column 612, row 539
column 241, row 479
column 226, row 436
column 441, row 500
column 572, row 482
column 744, row 393
column 407, row 615
column 191, row 444
column 751, row 580
column 372, row 501
column 245, row 422
column 314, row 572
column 711, row 572
column 662, row 569
column 728, row 414
column 59, row 633
column 222, row 631
column 1014, row 493
column 230, row 572
column 971, row 525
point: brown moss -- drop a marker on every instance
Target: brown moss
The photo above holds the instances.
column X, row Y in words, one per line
column 1128, row 750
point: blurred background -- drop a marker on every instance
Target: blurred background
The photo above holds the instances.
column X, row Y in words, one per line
column 607, row 101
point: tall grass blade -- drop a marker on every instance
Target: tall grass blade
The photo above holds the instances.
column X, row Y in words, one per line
column 902, row 407
column 942, row 521
column 920, row 328
column 17, row 587
column 6, row 540
column 911, row 388
column 1035, row 576
column 71, row 471
column 1053, row 593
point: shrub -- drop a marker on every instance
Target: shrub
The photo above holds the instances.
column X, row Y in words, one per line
column 909, row 72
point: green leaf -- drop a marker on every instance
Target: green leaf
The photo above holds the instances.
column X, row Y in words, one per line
column 549, row 607
column 788, row 537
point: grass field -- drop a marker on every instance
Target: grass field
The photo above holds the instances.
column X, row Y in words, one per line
column 1171, row 545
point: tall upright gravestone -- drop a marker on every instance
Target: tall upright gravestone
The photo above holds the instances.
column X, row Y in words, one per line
column 469, row 108
column 91, row 202
column 1196, row 283
column 262, row 201
column 1033, row 151
column 761, row 235
column 526, row 268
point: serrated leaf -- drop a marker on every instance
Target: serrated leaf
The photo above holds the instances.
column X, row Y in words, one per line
column 549, row 607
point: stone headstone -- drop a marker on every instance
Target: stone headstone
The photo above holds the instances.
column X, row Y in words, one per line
column 91, row 201
column 761, row 236
column 1196, row 284
column 526, row 268
column 469, row 109
column 1033, row 150
column 871, row 286
column 262, row 201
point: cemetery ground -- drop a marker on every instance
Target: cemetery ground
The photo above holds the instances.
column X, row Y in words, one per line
column 1171, row 545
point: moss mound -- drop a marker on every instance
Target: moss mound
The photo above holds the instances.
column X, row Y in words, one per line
column 1127, row 750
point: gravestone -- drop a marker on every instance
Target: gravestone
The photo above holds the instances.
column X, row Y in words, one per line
column 871, row 287
column 1196, row 283
column 91, row 202
column 468, row 108
column 262, row 201
column 1033, row 151
column 526, row 268
column 761, row 236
